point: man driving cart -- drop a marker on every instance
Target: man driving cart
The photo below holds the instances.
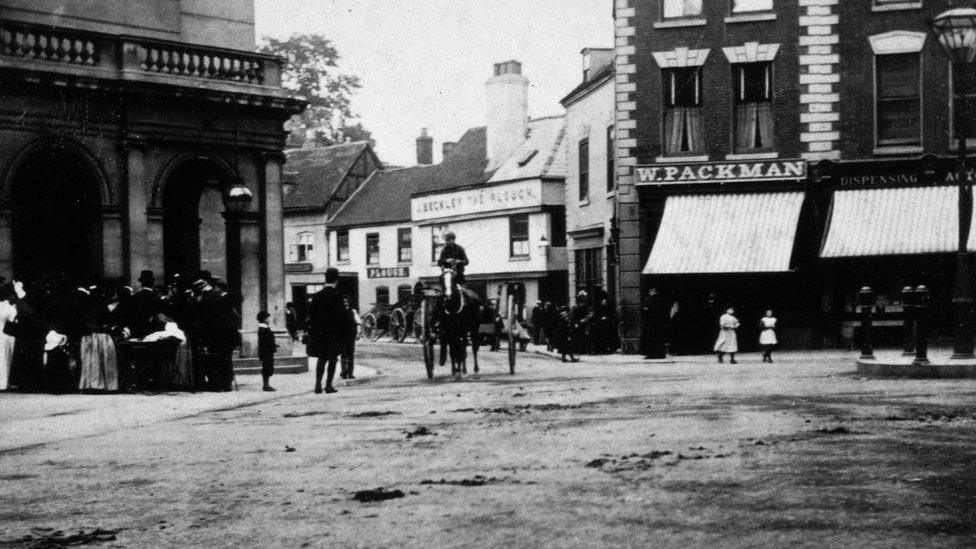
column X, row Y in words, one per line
column 453, row 257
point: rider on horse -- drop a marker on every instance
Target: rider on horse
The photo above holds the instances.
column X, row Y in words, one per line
column 453, row 257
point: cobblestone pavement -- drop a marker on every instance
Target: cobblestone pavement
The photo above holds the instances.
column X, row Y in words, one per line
column 607, row 452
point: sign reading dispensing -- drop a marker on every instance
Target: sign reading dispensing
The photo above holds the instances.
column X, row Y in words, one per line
column 711, row 172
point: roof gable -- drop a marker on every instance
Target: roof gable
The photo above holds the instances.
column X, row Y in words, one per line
column 320, row 172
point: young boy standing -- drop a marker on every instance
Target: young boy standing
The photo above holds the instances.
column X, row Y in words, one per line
column 266, row 349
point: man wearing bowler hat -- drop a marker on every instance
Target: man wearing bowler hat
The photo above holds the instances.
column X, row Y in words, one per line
column 327, row 323
column 143, row 306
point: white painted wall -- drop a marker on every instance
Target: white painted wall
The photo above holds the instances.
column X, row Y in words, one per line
column 508, row 116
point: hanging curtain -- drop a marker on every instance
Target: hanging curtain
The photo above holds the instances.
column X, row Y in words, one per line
column 745, row 126
column 693, row 122
column 765, row 120
column 673, row 130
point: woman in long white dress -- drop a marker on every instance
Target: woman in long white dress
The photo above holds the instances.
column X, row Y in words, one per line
column 7, row 313
column 767, row 335
column 727, row 341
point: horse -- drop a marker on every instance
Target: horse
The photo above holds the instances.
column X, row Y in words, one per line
column 458, row 318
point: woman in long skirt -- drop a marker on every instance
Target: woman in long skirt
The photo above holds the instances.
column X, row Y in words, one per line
column 727, row 341
column 767, row 335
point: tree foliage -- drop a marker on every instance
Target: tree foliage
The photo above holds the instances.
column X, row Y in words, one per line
column 311, row 70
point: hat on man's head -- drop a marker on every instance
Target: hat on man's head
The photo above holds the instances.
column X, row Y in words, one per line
column 262, row 316
column 331, row 275
column 198, row 285
column 449, row 235
column 147, row 278
column 205, row 275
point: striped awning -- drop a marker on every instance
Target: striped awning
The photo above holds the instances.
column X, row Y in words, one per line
column 911, row 220
column 726, row 233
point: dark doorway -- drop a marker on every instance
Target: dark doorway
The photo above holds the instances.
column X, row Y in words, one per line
column 349, row 287
column 194, row 233
column 55, row 218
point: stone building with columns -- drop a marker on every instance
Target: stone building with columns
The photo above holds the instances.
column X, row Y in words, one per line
column 142, row 134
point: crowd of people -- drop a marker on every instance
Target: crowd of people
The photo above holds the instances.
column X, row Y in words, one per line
column 589, row 327
column 59, row 336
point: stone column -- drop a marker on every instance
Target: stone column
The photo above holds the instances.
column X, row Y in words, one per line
column 273, row 245
column 154, row 243
column 136, row 237
column 244, row 272
column 112, row 256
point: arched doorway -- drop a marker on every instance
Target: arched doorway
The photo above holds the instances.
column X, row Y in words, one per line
column 55, row 220
column 194, row 231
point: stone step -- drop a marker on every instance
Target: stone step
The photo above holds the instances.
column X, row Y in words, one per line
column 283, row 365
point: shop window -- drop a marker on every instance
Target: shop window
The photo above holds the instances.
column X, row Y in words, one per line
column 611, row 153
column 589, row 270
column 753, row 106
column 373, row 249
column 342, row 245
column 969, row 74
column 382, row 295
column 899, row 99
column 682, row 111
column 518, row 234
column 745, row 6
column 437, row 233
column 584, row 169
column 404, row 245
column 674, row 9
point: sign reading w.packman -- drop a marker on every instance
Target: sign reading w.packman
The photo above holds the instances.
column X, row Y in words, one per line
column 711, row 172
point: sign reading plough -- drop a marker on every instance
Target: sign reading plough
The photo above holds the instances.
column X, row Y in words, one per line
column 693, row 173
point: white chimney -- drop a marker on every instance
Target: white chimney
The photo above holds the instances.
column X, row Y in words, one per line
column 508, row 111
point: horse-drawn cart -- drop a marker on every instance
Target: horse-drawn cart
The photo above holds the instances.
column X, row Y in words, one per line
column 396, row 321
column 457, row 318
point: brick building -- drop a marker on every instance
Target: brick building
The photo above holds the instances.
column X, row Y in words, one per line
column 752, row 138
column 127, row 129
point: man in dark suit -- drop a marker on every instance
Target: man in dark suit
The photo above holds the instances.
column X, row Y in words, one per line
column 217, row 335
column 327, row 322
column 454, row 257
column 143, row 307
column 654, row 317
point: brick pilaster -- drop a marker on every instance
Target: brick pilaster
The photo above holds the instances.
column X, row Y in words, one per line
column 819, row 79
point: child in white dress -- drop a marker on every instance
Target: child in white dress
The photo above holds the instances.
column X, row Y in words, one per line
column 767, row 335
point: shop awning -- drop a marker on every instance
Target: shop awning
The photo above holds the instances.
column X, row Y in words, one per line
column 910, row 220
column 726, row 233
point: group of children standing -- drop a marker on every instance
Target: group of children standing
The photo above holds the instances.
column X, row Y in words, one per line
column 728, row 341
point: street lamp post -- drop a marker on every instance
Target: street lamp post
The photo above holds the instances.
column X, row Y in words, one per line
column 956, row 31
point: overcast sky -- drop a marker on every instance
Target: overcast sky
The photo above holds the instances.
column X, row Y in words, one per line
column 424, row 63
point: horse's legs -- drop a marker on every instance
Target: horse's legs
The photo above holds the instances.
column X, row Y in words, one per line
column 443, row 351
column 474, row 345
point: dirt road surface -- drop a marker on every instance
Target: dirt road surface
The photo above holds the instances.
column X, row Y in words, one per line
column 598, row 454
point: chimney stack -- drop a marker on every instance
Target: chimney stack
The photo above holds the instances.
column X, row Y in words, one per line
column 508, row 112
column 595, row 60
column 425, row 148
column 447, row 148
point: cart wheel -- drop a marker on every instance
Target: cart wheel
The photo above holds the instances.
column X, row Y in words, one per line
column 511, row 335
column 398, row 325
column 427, row 340
column 369, row 327
column 149, row 380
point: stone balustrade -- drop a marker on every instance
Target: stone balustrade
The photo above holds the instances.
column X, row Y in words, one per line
column 135, row 55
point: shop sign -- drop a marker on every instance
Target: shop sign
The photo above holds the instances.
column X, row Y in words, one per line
column 502, row 197
column 692, row 173
column 388, row 272
column 298, row 267
column 902, row 179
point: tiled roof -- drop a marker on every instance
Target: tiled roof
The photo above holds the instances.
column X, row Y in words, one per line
column 726, row 233
column 540, row 155
column 319, row 172
column 385, row 197
column 597, row 78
